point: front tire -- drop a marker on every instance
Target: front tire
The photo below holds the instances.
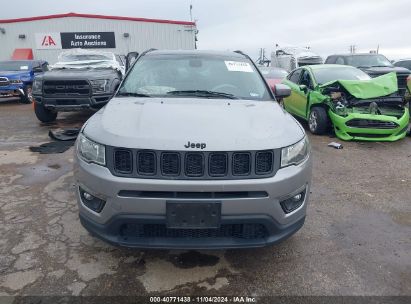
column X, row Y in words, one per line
column 43, row 114
column 318, row 121
column 28, row 95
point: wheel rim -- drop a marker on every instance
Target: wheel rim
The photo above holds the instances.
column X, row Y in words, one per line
column 312, row 121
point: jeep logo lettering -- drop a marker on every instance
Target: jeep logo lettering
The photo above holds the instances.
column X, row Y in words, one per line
column 195, row 145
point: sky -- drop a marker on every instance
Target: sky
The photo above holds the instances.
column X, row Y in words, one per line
column 326, row 26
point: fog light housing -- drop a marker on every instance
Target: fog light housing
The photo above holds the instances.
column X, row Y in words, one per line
column 90, row 201
column 293, row 202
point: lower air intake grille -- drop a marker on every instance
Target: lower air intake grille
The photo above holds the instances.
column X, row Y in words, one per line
column 235, row 231
column 370, row 123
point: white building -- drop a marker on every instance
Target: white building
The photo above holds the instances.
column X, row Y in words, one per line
column 46, row 36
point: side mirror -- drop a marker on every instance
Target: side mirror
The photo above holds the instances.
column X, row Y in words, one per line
column 130, row 58
column 37, row 70
column 281, row 91
column 303, row 88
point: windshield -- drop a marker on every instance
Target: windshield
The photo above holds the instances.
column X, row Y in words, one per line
column 187, row 75
column 14, row 66
column 325, row 75
column 372, row 60
column 270, row 73
column 83, row 57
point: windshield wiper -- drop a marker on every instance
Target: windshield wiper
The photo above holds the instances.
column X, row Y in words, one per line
column 381, row 66
column 132, row 94
column 202, row 93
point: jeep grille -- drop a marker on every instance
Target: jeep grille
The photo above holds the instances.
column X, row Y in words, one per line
column 192, row 165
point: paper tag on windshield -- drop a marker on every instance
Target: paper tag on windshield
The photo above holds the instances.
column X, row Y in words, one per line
column 238, row 66
column 24, row 67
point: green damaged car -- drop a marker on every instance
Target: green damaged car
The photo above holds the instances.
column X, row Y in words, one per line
column 356, row 106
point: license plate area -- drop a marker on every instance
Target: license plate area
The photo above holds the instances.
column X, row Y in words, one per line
column 193, row 214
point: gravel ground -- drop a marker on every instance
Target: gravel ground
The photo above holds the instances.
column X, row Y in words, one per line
column 356, row 240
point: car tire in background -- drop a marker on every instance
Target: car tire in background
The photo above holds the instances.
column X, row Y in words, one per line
column 28, row 96
column 43, row 114
column 318, row 121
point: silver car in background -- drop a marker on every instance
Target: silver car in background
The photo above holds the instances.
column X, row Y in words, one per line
column 193, row 152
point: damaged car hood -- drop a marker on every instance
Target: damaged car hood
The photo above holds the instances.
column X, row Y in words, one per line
column 365, row 89
column 169, row 124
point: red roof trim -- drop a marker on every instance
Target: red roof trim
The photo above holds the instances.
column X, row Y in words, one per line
column 96, row 17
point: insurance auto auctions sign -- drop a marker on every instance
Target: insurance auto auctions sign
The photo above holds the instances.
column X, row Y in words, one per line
column 84, row 40
column 88, row 40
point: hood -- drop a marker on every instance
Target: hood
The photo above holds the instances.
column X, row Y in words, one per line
column 14, row 74
column 169, row 124
column 385, row 70
column 107, row 73
column 365, row 89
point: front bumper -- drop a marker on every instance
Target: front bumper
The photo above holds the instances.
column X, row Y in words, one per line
column 121, row 210
column 73, row 103
column 12, row 90
column 370, row 134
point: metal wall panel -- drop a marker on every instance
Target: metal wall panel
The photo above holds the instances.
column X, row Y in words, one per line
column 142, row 35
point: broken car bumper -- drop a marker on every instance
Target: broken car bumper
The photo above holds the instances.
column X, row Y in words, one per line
column 370, row 127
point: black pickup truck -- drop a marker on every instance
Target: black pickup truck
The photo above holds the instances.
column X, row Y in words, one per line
column 79, row 80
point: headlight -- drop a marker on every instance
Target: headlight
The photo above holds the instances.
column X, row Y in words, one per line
column 91, row 151
column 295, row 154
column 99, row 85
column 15, row 81
column 36, row 88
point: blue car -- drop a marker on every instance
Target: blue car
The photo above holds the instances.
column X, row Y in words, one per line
column 16, row 77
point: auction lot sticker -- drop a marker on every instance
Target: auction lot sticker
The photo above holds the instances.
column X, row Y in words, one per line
column 239, row 66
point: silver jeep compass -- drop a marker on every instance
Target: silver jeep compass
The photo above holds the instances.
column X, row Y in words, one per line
column 193, row 151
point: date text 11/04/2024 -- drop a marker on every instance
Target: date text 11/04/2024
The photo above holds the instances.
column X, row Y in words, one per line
column 203, row 299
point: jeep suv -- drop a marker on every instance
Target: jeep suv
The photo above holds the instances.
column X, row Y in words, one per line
column 193, row 151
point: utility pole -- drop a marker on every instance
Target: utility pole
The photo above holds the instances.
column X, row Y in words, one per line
column 262, row 59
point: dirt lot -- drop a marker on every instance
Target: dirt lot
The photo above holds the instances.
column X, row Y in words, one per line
column 356, row 240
